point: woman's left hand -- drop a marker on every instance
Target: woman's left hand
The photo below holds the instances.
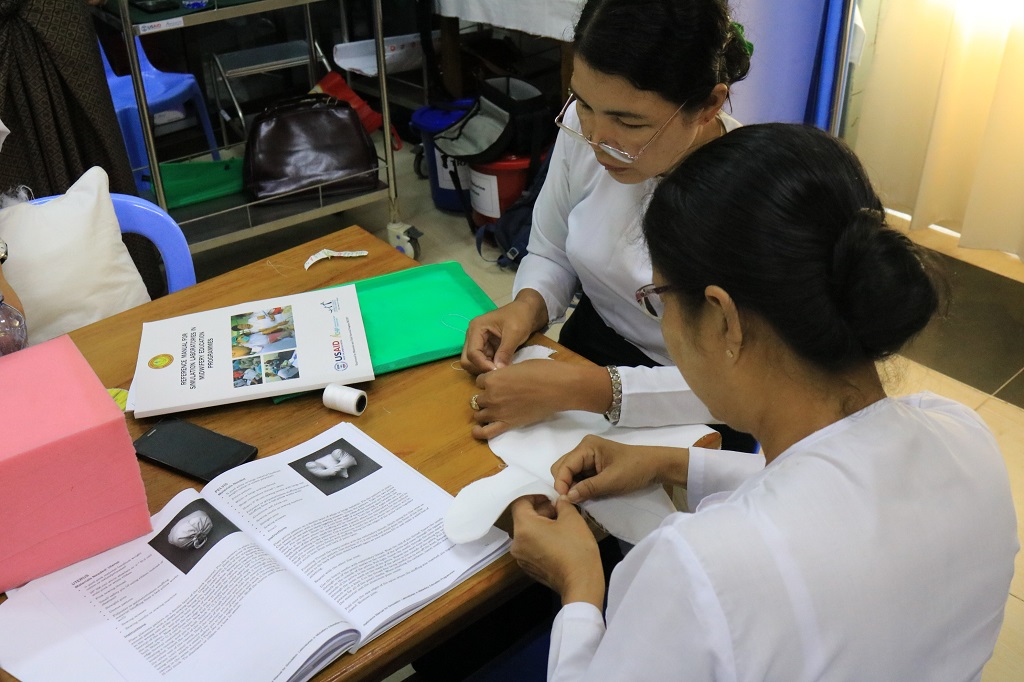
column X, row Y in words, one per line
column 531, row 391
column 554, row 545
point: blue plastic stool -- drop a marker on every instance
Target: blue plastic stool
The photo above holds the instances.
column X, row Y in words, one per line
column 164, row 91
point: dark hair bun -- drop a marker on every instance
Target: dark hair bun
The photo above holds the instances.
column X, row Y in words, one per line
column 880, row 286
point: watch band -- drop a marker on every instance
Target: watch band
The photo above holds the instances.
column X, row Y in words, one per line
column 615, row 410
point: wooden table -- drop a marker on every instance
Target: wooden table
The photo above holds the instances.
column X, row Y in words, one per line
column 421, row 414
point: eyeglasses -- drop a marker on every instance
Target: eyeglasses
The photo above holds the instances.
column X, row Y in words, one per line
column 615, row 153
column 649, row 298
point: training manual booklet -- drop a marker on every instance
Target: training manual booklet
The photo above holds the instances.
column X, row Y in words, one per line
column 274, row 570
column 252, row 350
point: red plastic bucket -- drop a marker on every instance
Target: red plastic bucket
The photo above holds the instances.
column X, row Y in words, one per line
column 495, row 186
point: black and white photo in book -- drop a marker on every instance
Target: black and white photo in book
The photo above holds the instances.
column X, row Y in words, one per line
column 335, row 467
column 193, row 531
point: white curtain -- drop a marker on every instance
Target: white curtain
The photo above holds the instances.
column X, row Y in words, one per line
column 938, row 121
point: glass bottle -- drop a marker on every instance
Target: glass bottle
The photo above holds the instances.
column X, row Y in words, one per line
column 13, row 331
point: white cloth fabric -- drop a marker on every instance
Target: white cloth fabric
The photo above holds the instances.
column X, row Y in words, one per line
column 530, row 451
column 586, row 229
column 548, row 18
column 878, row 548
column 535, row 448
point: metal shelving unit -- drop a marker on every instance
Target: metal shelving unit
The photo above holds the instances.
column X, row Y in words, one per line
column 250, row 62
column 235, row 217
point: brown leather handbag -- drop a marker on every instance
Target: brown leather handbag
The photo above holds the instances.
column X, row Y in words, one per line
column 309, row 142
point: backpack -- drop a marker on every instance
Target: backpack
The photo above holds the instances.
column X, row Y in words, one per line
column 511, row 232
column 510, row 116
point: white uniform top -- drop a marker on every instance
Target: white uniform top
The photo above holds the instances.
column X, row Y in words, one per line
column 586, row 228
column 879, row 548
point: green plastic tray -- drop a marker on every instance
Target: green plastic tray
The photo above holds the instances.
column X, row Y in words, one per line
column 418, row 315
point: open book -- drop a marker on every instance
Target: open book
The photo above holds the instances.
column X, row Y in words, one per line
column 277, row 568
column 252, row 350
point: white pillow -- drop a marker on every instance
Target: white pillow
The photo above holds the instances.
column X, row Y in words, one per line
column 67, row 262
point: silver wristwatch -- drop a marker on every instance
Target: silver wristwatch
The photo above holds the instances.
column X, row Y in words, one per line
column 3, row 251
column 615, row 410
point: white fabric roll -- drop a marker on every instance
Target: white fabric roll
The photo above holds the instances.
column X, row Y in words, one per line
column 345, row 399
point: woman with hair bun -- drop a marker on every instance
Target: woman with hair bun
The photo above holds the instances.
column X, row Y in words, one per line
column 649, row 81
column 878, row 542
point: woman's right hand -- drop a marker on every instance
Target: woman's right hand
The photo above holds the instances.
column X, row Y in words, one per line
column 553, row 544
column 598, row 467
column 492, row 338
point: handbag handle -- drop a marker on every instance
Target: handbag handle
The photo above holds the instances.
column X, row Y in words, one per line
column 304, row 102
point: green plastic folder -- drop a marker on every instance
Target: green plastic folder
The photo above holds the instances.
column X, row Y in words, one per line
column 190, row 182
column 418, row 315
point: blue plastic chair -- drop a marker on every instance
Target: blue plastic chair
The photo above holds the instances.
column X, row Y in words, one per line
column 125, row 107
column 152, row 222
column 164, row 91
column 145, row 218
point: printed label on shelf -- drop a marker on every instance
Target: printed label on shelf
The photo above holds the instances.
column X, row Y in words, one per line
column 444, row 165
column 483, row 194
column 157, row 26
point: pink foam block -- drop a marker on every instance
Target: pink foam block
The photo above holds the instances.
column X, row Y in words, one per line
column 70, row 485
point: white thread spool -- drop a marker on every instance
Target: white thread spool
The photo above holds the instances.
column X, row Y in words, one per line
column 345, row 399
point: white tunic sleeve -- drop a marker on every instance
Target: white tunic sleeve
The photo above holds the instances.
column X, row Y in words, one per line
column 656, row 396
column 664, row 623
column 575, row 634
column 717, row 471
column 546, row 267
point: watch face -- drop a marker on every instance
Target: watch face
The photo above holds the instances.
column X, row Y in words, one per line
column 3, row 251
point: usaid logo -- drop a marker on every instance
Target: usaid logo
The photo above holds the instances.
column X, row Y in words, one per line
column 338, row 350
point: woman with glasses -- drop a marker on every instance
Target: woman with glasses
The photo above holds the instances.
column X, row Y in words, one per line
column 649, row 81
column 878, row 542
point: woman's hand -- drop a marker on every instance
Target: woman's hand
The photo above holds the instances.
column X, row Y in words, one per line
column 554, row 545
column 598, row 468
column 533, row 390
column 492, row 338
